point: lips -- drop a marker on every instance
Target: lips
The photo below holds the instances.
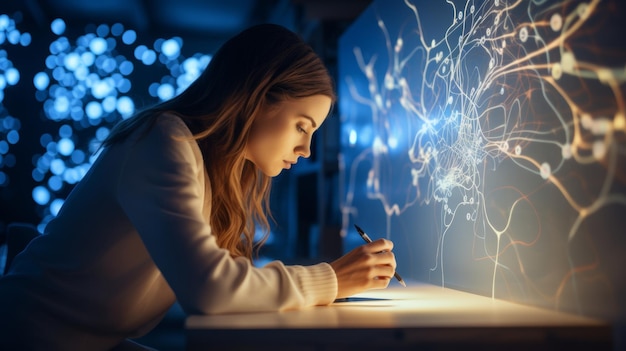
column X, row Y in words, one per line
column 288, row 164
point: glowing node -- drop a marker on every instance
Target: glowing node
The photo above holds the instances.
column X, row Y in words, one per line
column 472, row 9
column 471, row 201
column 460, row 15
column 568, row 61
column 583, row 11
column 438, row 56
column 450, row 100
column 392, row 142
column 352, row 137
column 557, row 71
column 566, row 151
column 599, row 149
column 468, row 216
column 619, row 122
column 399, row 44
column 433, row 43
column 372, row 88
column 545, row 170
column 556, row 22
column 492, row 63
column 488, row 32
column 504, row 146
column 523, row 34
column 379, row 101
column 605, row 75
column 586, row 121
column 518, row 150
column 503, row 44
column 601, row 126
column 404, row 103
column 389, row 81
column 502, row 91
column 379, row 147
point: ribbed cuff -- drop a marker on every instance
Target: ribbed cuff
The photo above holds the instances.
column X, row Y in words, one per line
column 319, row 284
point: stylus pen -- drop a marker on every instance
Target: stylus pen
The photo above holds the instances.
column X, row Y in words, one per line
column 368, row 240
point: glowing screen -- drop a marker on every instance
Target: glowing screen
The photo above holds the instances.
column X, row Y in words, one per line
column 487, row 140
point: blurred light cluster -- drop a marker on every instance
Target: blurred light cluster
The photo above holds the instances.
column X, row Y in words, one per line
column 85, row 89
column 9, row 76
column 183, row 71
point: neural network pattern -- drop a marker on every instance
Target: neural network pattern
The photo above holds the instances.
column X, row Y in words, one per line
column 502, row 124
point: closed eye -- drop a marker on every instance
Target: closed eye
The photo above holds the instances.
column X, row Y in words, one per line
column 302, row 130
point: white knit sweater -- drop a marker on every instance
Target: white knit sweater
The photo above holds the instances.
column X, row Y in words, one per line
column 131, row 239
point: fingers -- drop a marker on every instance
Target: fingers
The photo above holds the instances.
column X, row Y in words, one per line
column 384, row 258
column 369, row 266
column 379, row 245
column 382, row 272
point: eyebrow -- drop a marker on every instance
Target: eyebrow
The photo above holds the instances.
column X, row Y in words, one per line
column 309, row 118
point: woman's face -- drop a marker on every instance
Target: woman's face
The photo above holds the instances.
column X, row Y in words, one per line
column 282, row 133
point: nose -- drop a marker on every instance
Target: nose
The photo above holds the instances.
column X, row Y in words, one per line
column 304, row 150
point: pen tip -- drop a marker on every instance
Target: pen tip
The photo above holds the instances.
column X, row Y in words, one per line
column 403, row 283
column 358, row 228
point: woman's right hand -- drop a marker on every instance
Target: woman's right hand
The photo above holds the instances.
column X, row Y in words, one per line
column 369, row 266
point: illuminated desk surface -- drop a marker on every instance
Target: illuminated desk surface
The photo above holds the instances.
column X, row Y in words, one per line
column 402, row 318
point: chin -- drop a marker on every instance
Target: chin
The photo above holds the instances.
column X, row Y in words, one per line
column 271, row 173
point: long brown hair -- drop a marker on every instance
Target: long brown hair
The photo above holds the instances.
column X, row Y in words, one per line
column 263, row 65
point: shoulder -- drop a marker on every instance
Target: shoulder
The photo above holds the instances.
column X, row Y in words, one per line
column 170, row 124
column 167, row 137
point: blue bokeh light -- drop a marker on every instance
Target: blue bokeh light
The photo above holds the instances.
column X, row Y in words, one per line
column 41, row 195
column 84, row 86
column 58, row 26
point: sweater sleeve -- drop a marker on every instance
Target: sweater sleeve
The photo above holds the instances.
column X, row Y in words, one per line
column 161, row 191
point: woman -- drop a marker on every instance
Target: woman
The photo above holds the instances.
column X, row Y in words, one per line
column 168, row 211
